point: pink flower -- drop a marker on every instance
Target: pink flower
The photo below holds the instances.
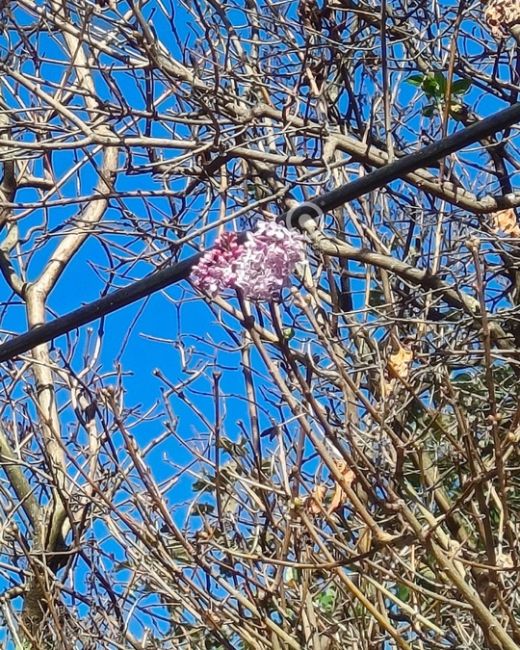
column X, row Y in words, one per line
column 216, row 269
column 269, row 257
column 261, row 267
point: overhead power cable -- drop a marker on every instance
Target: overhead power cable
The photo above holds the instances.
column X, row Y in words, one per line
column 162, row 278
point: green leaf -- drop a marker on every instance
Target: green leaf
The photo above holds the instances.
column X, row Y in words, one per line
column 403, row 593
column 463, row 378
column 233, row 448
column 201, row 509
column 416, row 79
column 326, row 600
column 429, row 110
column 202, row 485
column 178, row 553
column 431, row 88
column 292, row 577
column 288, row 333
column 441, row 83
column 376, row 297
column 458, row 111
column 270, row 432
column 460, row 86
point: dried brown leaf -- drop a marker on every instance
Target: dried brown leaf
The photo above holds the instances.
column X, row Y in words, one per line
column 398, row 365
column 364, row 543
column 315, row 502
column 505, row 221
column 399, row 362
column 340, row 496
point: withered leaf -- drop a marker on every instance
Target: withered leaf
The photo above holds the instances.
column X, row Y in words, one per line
column 505, row 221
column 315, row 501
column 400, row 361
column 340, row 496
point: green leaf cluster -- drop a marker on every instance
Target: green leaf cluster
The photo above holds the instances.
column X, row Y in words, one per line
column 434, row 85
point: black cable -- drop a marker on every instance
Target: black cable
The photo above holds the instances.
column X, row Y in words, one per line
column 330, row 200
column 422, row 158
column 112, row 302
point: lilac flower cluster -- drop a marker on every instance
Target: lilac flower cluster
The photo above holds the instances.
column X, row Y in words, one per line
column 260, row 267
column 217, row 268
column 269, row 257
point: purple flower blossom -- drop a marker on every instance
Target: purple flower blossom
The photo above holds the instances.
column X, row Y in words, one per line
column 216, row 269
column 269, row 257
column 261, row 267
